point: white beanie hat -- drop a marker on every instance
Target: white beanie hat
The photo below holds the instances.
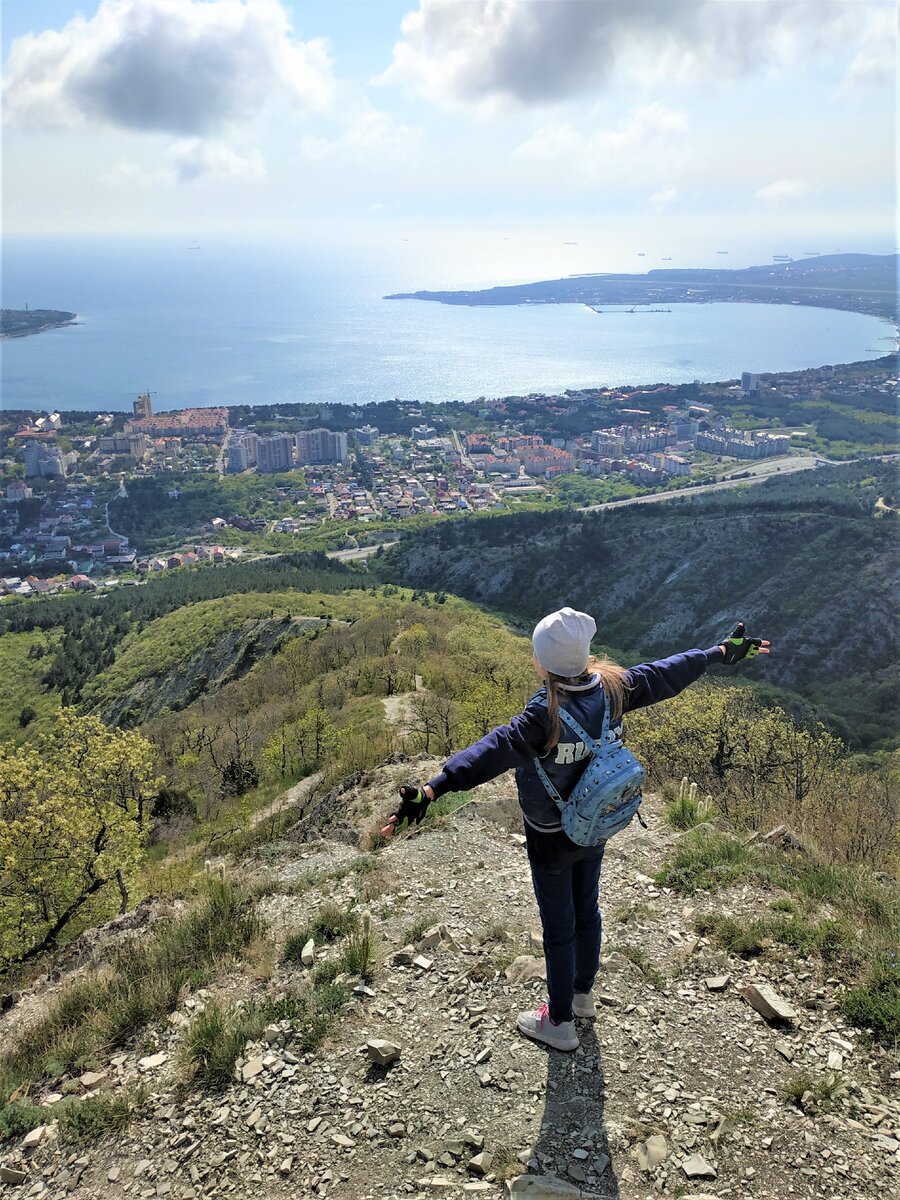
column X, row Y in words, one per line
column 562, row 641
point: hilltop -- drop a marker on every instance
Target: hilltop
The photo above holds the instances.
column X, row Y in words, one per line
column 676, row 1065
column 21, row 322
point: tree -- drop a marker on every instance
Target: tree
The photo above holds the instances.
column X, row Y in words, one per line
column 72, row 828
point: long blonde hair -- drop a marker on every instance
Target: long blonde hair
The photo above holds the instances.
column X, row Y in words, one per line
column 613, row 678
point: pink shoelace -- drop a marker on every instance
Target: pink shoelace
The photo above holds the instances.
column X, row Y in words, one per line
column 542, row 1011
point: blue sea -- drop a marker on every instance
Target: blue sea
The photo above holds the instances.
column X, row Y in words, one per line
column 265, row 324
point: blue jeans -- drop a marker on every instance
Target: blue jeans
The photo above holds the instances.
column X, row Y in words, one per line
column 566, row 880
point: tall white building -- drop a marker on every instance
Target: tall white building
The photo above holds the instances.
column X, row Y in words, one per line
column 321, row 446
column 275, row 453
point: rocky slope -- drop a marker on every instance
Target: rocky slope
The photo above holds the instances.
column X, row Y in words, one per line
column 678, row 1087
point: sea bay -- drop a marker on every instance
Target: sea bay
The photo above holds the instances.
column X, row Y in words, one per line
column 225, row 324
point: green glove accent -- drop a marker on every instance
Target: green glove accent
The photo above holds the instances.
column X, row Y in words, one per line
column 738, row 646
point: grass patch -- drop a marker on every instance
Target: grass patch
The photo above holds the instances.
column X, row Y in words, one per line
column 705, row 861
column 875, row 1004
column 96, row 1116
column 357, row 956
column 687, row 808
column 782, row 904
column 444, row 806
column 414, row 932
column 327, row 925
column 142, row 984
column 813, row 1094
column 748, row 938
column 493, row 933
column 639, row 958
column 215, row 1039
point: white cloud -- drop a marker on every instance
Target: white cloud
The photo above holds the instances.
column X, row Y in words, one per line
column 189, row 159
column 366, row 135
column 664, row 197
column 496, row 52
column 192, row 159
column 172, row 66
column 781, row 191
column 649, row 130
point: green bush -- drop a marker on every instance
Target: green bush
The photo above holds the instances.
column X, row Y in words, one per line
column 705, row 860
column 357, row 957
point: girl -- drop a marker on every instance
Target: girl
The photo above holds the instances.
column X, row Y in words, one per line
column 565, row 875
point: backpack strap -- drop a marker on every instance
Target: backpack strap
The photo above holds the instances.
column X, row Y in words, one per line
column 596, row 746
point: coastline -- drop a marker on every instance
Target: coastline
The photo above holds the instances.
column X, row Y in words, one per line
column 6, row 337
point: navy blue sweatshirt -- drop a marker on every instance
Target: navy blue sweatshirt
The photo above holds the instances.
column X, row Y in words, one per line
column 518, row 743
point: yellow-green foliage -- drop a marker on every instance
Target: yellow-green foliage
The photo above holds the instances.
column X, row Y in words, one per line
column 21, row 670
column 762, row 768
column 317, row 704
column 175, row 637
column 71, row 827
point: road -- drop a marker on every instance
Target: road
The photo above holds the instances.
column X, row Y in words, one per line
column 756, row 473
column 360, row 552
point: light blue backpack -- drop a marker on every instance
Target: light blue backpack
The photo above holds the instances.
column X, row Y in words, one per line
column 608, row 794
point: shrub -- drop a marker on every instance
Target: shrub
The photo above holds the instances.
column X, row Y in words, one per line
column 215, row 1039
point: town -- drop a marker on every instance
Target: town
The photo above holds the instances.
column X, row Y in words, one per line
column 107, row 499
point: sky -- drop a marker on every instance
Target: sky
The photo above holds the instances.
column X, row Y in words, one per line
column 770, row 120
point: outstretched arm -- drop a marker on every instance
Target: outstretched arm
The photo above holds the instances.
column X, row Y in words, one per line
column 651, row 682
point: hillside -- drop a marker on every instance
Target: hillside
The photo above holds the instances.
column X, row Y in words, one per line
column 677, row 1064
column 800, row 560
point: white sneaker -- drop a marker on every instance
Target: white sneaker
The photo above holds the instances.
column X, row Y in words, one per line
column 583, row 1005
column 538, row 1025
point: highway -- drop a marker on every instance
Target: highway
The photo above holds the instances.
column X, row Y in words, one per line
column 756, row 473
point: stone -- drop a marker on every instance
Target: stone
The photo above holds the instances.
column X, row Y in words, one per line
column 93, row 1079
column 437, row 1181
column 113, row 1174
column 652, row 1152
column 525, row 967
column 284, row 1167
column 402, row 957
column 422, row 962
column 471, row 1138
column 381, row 1052
column 786, row 1050
column 12, row 1175
column 308, row 953
column 251, row 1068
column 782, row 837
column 272, row 1035
column 341, row 1139
column 34, row 1137
column 152, row 1061
column 696, row 1167
column 541, row 1187
column 767, row 1002
column 717, row 983
column 835, row 1061
column 481, row 1163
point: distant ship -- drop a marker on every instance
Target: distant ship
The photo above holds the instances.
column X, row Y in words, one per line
column 642, row 254
column 570, row 243
column 781, row 258
column 667, row 260
column 194, row 246
column 721, row 252
column 811, row 253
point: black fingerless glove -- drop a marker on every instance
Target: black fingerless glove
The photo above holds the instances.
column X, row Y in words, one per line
column 413, row 807
column 738, row 646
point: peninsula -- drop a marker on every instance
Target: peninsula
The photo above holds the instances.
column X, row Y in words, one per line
column 865, row 283
column 17, row 322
